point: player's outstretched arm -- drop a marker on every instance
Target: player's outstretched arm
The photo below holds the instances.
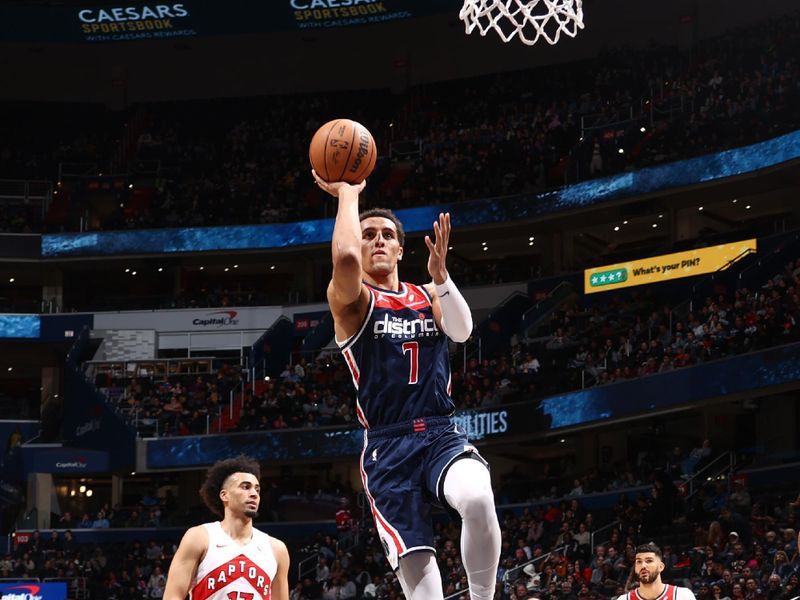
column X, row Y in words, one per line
column 184, row 564
column 280, row 585
column 345, row 287
column 449, row 307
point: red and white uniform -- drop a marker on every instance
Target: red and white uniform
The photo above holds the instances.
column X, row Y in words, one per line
column 229, row 571
column 671, row 592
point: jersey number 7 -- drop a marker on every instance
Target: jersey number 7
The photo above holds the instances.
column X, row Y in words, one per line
column 413, row 350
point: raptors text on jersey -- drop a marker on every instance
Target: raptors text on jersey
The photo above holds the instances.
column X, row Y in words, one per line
column 230, row 571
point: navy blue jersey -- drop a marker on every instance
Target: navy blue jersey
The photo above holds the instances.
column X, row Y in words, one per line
column 399, row 359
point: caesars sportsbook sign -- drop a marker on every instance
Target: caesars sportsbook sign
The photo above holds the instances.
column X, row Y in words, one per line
column 132, row 21
column 666, row 267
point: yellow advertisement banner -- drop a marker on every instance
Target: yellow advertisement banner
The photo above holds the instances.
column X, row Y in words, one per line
column 665, row 267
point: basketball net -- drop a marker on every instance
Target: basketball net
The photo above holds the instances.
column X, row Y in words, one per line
column 527, row 19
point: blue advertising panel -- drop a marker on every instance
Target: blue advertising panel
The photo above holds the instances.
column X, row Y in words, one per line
column 747, row 372
column 43, row 459
column 25, row 590
column 318, row 444
column 742, row 373
column 415, row 220
column 20, row 326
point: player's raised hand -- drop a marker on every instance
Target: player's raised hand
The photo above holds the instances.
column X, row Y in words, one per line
column 437, row 266
column 334, row 188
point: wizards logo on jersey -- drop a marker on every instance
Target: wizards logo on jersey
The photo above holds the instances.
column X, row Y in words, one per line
column 399, row 359
column 403, row 327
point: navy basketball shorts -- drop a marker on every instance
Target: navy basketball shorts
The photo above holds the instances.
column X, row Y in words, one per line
column 402, row 469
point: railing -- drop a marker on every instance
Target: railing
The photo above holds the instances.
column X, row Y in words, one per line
column 29, row 192
column 26, row 190
column 594, row 537
column 594, row 121
column 472, row 348
column 303, row 569
column 405, row 149
column 722, row 465
column 77, row 169
column 507, row 576
column 157, row 367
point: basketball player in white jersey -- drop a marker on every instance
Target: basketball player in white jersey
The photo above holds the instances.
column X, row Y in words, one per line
column 230, row 559
column 648, row 567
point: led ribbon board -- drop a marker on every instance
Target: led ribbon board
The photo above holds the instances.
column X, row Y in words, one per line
column 666, row 267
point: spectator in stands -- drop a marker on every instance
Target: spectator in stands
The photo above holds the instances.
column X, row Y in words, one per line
column 156, row 583
column 101, row 522
column 696, row 456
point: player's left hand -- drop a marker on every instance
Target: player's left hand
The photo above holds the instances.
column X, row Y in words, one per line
column 438, row 250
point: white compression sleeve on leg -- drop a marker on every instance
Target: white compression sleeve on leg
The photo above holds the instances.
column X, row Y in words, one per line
column 468, row 489
column 456, row 316
column 419, row 576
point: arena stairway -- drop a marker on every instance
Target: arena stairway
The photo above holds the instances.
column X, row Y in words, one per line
column 268, row 355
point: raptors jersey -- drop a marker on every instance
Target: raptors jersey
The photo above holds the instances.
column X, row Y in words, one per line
column 399, row 359
column 670, row 592
column 229, row 571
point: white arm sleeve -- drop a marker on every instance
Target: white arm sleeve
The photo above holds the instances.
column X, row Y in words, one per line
column 456, row 316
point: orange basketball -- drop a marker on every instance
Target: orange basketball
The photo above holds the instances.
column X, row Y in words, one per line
column 343, row 150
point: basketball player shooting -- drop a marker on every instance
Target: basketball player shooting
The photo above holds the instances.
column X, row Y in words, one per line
column 230, row 559
column 648, row 567
column 393, row 336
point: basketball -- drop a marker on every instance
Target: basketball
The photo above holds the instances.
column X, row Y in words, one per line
column 343, row 150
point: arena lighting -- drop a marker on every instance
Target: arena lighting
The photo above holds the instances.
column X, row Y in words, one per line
column 621, row 151
column 10, row 369
column 266, row 377
column 82, row 489
column 655, row 225
column 735, row 200
column 201, row 268
column 616, row 228
column 485, row 248
column 747, row 207
column 530, row 243
column 227, row 269
column 11, row 280
column 72, row 492
column 624, row 222
column 160, row 269
column 449, row 247
column 484, row 243
column 563, row 441
column 130, row 186
column 127, row 270
column 272, row 267
column 660, row 216
column 89, row 493
column 642, row 129
column 701, row 208
column 235, row 266
column 133, row 272
column 133, row 472
column 530, row 239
